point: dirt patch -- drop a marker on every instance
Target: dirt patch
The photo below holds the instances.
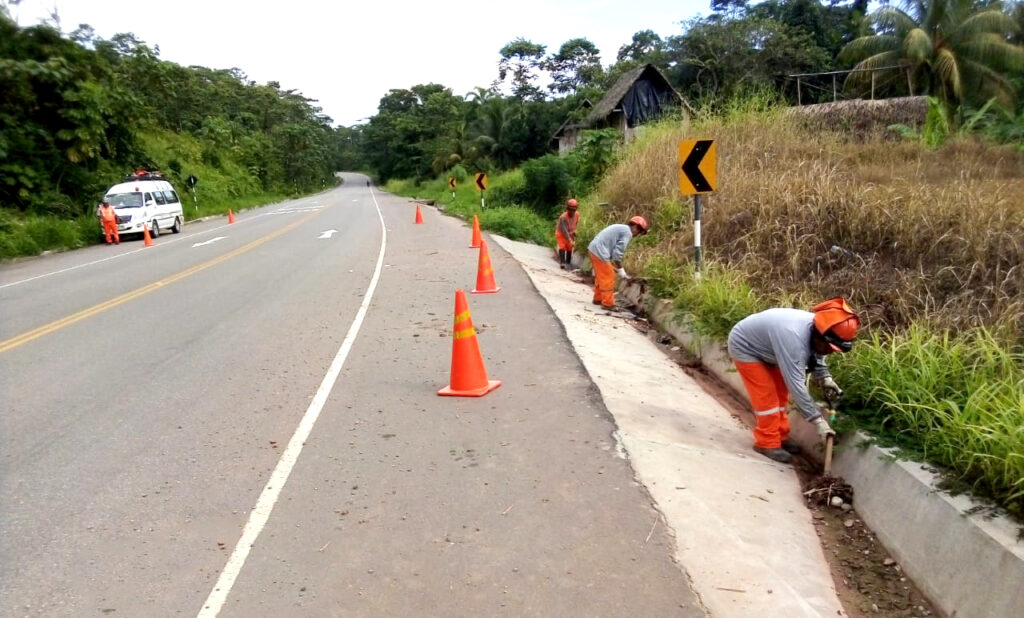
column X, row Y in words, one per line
column 868, row 581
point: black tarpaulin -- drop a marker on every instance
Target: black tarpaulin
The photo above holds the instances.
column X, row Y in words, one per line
column 644, row 101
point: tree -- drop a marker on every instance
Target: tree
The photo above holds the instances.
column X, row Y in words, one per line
column 956, row 50
column 717, row 58
column 576, row 65
column 521, row 58
column 646, row 44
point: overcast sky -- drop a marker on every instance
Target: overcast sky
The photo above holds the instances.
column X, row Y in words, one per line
column 347, row 55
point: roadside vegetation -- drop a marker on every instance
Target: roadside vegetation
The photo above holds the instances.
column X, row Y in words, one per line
column 78, row 113
column 927, row 242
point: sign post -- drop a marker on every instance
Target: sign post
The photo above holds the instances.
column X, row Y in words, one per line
column 698, row 174
column 481, row 183
column 192, row 181
column 451, row 185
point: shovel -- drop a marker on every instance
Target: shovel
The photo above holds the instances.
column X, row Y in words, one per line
column 829, row 439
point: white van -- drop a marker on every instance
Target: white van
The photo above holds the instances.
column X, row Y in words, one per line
column 145, row 200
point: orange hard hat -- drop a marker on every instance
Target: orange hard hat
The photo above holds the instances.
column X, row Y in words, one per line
column 836, row 321
column 640, row 222
column 572, row 204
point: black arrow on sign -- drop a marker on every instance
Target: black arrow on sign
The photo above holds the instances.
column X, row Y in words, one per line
column 691, row 166
column 480, row 182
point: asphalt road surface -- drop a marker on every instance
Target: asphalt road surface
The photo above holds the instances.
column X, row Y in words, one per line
column 243, row 421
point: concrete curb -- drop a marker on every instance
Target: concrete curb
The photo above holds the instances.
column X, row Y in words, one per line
column 968, row 562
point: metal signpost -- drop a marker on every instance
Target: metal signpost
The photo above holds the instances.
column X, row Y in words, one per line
column 192, row 181
column 698, row 174
column 481, row 183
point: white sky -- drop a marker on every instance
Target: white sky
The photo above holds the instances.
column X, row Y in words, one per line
column 347, row 55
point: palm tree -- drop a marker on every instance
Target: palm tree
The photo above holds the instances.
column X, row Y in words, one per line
column 951, row 49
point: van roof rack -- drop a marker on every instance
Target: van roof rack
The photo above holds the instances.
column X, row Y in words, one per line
column 144, row 175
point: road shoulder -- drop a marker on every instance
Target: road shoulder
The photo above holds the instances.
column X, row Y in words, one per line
column 743, row 535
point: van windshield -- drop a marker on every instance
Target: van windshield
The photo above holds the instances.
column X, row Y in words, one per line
column 125, row 200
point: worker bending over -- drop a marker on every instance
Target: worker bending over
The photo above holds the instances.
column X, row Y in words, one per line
column 565, row 234
column 773, row 351
column 606, row 252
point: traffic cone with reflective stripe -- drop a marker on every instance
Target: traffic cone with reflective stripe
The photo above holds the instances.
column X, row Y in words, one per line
column 231, row 216
column 476, row 234
column 147, row 240
column 469, row 377
column 485, row 272
column 419, row 215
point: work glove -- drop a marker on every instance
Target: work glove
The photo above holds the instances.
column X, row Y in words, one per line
column 622, row 273
column 830, row 389
column 822, row 426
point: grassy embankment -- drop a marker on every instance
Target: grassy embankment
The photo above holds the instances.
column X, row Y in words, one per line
column 501, row 215
column 927, row 244
column 222, row 186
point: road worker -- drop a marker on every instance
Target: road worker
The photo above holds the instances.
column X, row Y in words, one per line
column 773, row 351
column 606, row 252
column 565, row 234
column 108, row 218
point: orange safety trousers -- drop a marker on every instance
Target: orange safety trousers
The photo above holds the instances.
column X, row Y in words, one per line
column 604, row 281
column 563, row 243
column 769, row 398
column 110, row 227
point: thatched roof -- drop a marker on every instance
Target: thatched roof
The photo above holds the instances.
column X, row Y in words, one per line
column 613, row 98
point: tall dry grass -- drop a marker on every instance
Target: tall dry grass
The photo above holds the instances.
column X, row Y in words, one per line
column 907, row 233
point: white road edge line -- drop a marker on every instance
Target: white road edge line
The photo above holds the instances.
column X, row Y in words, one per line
column 272, row 490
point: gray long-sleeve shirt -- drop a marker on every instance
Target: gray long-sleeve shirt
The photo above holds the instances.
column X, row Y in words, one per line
column 782, row 337
column 611, row 242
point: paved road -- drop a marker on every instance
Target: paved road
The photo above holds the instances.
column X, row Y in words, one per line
column 148, row 398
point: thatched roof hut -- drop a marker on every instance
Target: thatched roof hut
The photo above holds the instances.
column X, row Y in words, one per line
column 639, row 96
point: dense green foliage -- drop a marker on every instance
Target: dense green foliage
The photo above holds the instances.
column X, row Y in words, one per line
column 742, row 47
column 78, row 112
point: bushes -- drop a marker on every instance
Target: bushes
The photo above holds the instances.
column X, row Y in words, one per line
column 32, row 235
column 508, row 189
column 547, row 184
column 958, row 399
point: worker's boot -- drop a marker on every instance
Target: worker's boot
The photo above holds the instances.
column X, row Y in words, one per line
column 791, row 447
column 777, row 454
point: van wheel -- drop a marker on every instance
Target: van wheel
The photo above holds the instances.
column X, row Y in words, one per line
column 176, row 228
column 154, row 229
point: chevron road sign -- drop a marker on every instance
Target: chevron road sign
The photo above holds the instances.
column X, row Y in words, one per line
column 698, row 169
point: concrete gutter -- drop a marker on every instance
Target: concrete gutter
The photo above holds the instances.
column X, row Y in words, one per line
column 743, row 534
column 965, row 558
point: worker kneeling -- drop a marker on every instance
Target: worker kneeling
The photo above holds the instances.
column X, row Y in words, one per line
column 773, row 351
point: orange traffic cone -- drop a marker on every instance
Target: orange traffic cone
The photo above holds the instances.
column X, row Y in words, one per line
column 485, row 272
column 147, row 240
column 476, row 234
column 469, row 377
column 231, row 216
column 419, row 215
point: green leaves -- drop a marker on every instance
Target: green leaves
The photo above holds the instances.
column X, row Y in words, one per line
column 960, row 50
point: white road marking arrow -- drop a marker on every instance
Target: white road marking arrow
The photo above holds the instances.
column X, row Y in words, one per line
column 212, row 240
column 327, row 234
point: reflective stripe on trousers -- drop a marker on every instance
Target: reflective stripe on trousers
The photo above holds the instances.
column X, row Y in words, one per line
column 769, row 398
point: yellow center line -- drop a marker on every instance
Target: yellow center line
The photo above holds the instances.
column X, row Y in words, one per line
column 56, row 325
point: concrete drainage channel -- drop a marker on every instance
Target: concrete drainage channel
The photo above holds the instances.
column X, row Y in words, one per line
column 968, row 560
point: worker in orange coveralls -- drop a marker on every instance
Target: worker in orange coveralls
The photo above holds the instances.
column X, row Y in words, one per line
column 565, row 234
column 773, row 351
column 606, row 253
column 109, row 220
